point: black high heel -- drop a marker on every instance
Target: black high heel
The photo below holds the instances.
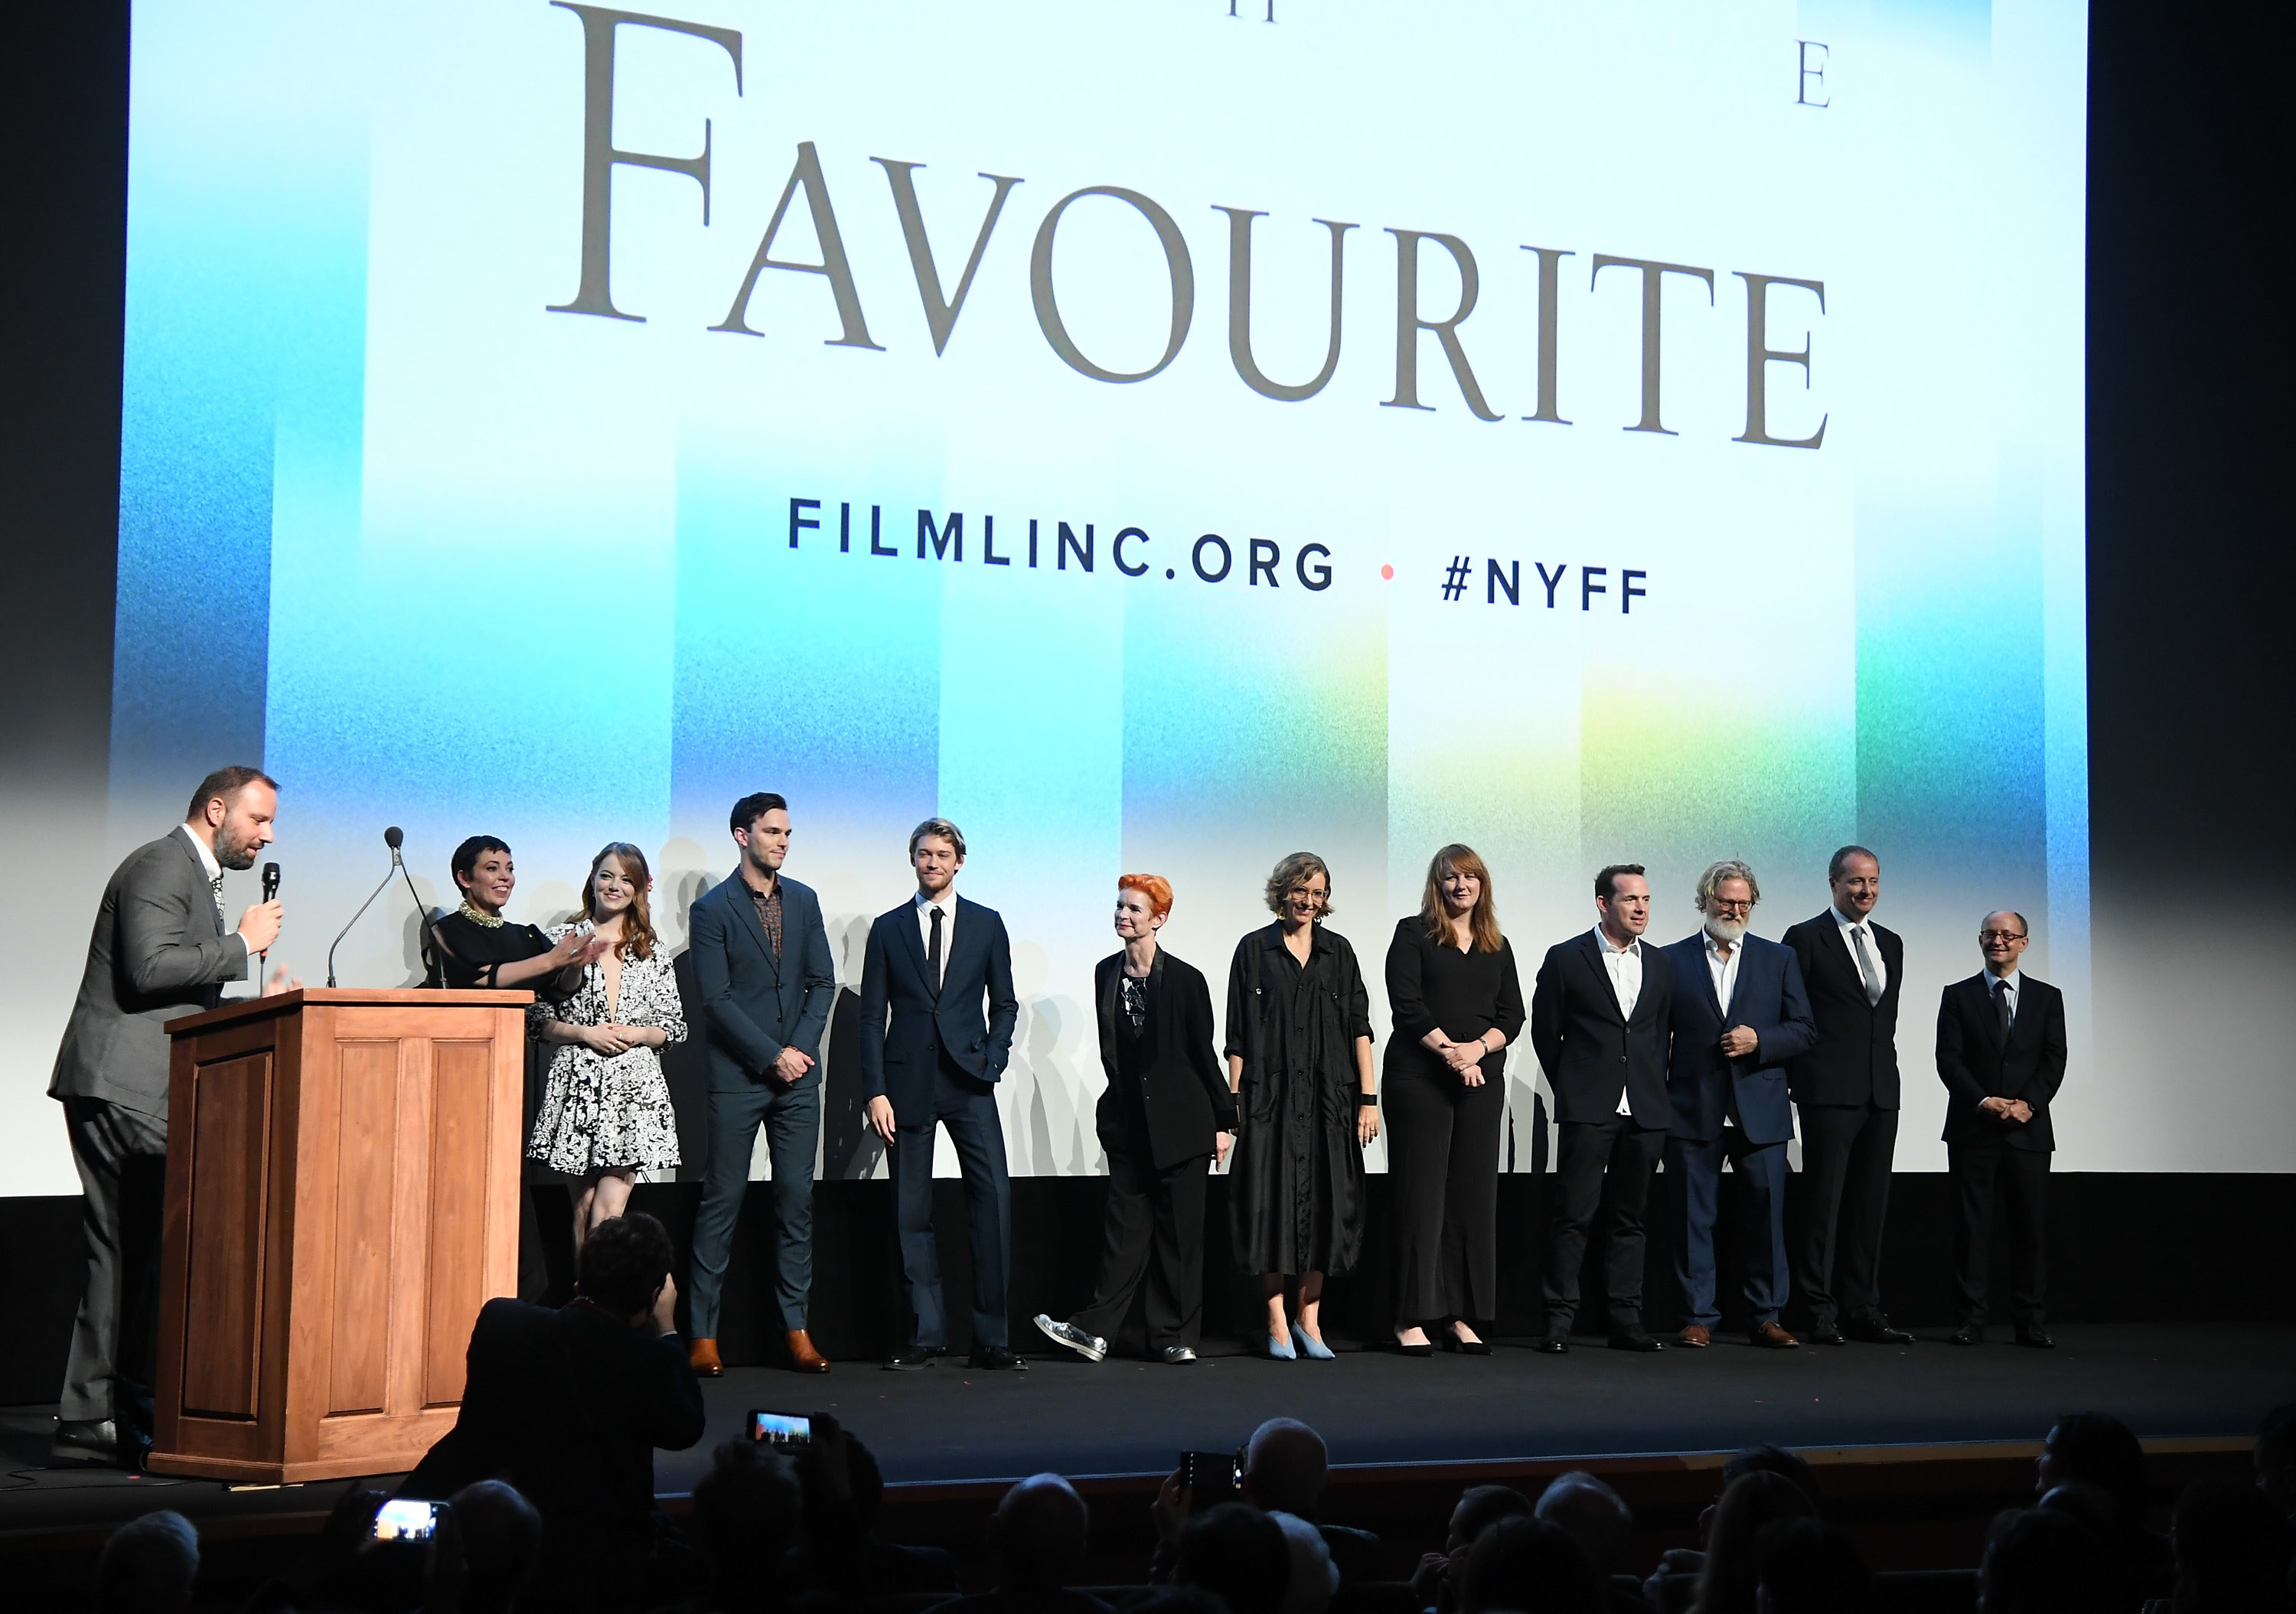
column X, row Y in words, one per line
column 1425, row 1349
column 1466, row 1347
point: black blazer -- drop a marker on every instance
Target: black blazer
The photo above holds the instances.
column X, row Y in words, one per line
column 753, row 1004
column 1183, row 1088
column 1975, row 1065
column 569, row 1406
column 1591, row 1052
column 1855, row 1059
column 897, row 1061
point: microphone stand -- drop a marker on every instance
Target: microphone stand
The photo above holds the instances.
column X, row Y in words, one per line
column 433, row 972
column 363, row 908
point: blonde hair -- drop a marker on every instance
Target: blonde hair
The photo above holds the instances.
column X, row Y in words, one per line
column 1293, row 873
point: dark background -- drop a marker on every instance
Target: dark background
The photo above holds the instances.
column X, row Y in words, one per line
column 2189, row 580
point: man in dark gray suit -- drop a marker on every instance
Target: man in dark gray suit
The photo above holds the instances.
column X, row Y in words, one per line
column 762, row 970
column 160, row 951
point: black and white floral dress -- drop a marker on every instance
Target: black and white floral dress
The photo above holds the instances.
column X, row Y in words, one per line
column 601, row 1113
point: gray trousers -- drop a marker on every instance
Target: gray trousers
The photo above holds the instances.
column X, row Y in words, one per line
column 122, row 1156
column 791, row 1118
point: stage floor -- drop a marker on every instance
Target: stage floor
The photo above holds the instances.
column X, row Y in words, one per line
column 949, row 1424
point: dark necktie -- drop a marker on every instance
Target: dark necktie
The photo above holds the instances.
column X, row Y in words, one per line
column 933, row 954
column 1867, row 966
column 215, row 889
column 2001, row 1001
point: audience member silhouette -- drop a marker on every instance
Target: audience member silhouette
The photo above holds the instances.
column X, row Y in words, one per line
column 485, row 1550
column 2275, row 1456
column 840, row 1561
column 1436, row 1581
column 1311, row 1579
column 1238, row 1555
column 2098, row 1449
column 2231, row 1544
column 1528, row 1566
column 1598, row 1518
column 1285, row 1467
column 2038, row 1561
column 1728, row 1582
column 1807, row 1566
column 1037, row 1541
column 147, row 1566
column 746, row 1511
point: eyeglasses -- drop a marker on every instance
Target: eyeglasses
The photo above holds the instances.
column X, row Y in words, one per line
column 1730, row 905
column 2000, row 936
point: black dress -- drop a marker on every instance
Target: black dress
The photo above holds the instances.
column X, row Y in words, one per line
column 1297, row 1201
column 1443, row 1136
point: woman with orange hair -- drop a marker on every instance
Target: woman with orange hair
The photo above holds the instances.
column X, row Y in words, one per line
column 1458, row 1003
column 605, row 1114
column 1166, row 1116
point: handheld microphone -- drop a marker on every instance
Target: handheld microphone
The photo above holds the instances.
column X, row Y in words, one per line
column 393, row 838
column 270, row 891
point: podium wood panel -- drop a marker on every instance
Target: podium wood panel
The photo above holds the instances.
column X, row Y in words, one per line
column 342, row 1197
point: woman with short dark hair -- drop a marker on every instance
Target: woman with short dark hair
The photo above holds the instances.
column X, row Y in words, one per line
column 1299, row 1053
column 477, row 947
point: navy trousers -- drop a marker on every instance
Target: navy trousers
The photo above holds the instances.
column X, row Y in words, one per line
column 791, row 1118
column 968, row 1109
column 1694, row 1192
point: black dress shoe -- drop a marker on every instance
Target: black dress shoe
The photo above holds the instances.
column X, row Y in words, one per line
column 2035, row 1337
column 1425, row 1348
column 910, row 1358
column 84, row 1440
column 1968, row 1333
column 1634, row 1341
column 1554, row 1342
column 997, row 1358
column 1827, row 1333
column 1876, row 1330
column 1178, row 1356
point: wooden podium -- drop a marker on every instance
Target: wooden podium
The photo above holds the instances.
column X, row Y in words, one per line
column 344, row 1172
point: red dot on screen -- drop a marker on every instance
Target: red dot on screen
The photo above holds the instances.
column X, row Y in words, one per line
column 1388, row 572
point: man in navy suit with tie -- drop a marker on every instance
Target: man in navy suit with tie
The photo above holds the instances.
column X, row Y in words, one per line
column 1739, row 1013
column 940, row 967
column 1846, row 1084
column 2001, row 1055
column 762, row 970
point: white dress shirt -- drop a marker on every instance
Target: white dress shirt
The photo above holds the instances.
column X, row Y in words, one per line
column 946, row 903
column 1625, row 966
column 2013, row 984
column 1724, row 969
column 1872, row 946
column 214, row 872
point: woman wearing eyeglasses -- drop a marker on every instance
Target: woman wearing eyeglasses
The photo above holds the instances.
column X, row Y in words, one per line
column 1458, row 1003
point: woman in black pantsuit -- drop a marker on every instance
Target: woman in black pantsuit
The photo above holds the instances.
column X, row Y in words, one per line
column 1166, row 1116
column 1457, row 1002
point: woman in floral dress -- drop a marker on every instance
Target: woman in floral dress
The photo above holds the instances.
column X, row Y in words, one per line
column 605, row 1114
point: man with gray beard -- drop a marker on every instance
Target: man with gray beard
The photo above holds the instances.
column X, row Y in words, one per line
column 1739, row 1013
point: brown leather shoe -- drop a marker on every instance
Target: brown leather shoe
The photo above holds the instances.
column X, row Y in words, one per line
column 1696, row 1336
column 1774, row 1338
column 803, row 1357
column 705, row 1360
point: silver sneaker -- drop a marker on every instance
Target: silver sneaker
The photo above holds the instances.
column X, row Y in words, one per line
column 1178, row 1356
column 1090, row 1347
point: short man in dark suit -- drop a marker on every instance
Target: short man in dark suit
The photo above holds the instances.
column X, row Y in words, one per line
column 159, row 952
column 2001, row 1055
column 1846, row 1084
column 766, row 981
column 931, row 965
column 1600, row 1018
column 1739, row 1013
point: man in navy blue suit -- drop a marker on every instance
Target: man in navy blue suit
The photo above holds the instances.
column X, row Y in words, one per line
column 763, row 973
column 1739, row 1013
column 940, row 967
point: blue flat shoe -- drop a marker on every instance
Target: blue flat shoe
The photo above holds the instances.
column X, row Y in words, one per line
column 1313, row 1348
column 1280, row 1351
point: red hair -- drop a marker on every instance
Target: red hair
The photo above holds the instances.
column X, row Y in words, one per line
column 1155, row 888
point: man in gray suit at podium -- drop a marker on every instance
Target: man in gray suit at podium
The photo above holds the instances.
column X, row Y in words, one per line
column 160, row 951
